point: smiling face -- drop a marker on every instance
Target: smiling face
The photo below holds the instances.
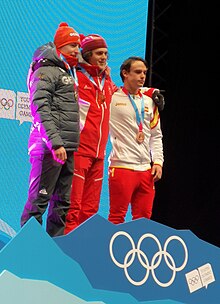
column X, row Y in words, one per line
column 99, row 57
column 71, row 49
column 135, row 78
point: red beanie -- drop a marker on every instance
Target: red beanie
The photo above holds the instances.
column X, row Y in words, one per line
column 65, row 35
column 92, row 42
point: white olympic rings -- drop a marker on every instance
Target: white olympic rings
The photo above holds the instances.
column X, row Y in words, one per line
column 143, row 259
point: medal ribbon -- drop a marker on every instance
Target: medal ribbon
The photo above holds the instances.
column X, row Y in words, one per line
column 100, row 86
column 72, row 72
column 139, row 116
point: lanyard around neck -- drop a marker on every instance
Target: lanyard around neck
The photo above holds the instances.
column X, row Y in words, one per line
column 72, row 71
column 99, row 85
column 139, row 116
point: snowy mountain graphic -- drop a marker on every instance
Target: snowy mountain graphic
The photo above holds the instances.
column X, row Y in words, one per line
column 33, row 255
column 4, row 239
column 136, row 262
column 34, row 291
column 167, row 263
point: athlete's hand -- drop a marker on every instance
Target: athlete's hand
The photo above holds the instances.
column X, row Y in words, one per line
column 158, row 98
column 60, row 155
column 156, row 171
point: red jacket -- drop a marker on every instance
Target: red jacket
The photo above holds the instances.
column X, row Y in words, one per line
column 94, row 109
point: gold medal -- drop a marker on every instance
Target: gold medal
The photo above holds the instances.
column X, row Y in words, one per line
column 101, row 98
column 76, row 95
column 140, row 137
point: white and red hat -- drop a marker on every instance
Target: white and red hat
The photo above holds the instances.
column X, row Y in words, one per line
column 92, row 42
column 65, row 35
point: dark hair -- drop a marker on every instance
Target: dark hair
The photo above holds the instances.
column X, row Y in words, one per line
column 126, row 65
column 87, row 55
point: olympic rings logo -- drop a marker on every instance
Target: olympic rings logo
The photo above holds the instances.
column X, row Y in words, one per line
column 144, row 261
column 193, row 281
column 6, row 103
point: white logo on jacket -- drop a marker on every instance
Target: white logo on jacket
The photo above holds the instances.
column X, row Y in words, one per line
column 67, row 80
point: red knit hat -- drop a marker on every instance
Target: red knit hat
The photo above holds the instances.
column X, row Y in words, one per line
column 92, row 42
column 65, row 35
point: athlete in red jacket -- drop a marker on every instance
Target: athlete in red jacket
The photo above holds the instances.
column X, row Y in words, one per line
column 95, row 92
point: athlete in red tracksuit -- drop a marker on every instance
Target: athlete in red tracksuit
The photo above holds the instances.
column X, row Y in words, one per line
column 95, row 92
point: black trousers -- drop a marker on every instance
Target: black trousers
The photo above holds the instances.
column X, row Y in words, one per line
column 49, row 183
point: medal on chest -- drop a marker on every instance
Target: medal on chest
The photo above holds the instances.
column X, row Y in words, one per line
column 139, row 115
column 101, row 97
column 76, row 95
column 140, row 137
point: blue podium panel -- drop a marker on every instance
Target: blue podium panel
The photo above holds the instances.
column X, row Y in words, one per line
column 137, row 262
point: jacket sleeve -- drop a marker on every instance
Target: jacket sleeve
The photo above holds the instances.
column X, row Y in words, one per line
column 156, row 145
column 42, row 90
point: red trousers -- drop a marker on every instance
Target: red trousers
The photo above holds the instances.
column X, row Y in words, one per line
column 130, row 187
column 86, row 190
